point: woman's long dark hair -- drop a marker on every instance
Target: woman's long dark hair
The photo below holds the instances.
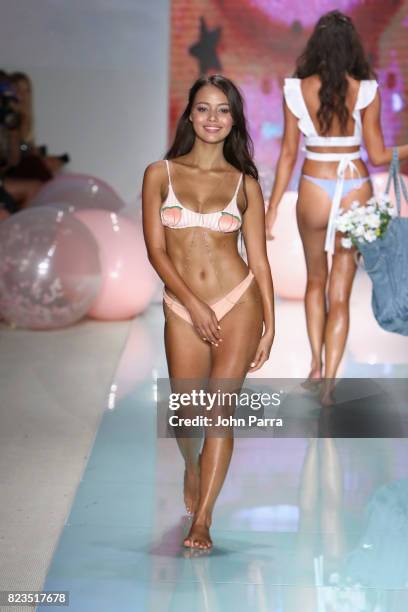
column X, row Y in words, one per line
column 333, row 51
column 238, row 146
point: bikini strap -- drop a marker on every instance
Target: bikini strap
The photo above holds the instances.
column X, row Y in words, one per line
column 239, row 185
column 168, row 173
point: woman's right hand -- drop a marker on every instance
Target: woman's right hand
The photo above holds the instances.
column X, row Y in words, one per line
column 270, row 219
column 205, row 322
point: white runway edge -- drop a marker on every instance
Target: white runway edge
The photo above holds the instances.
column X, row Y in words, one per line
column 54, row 386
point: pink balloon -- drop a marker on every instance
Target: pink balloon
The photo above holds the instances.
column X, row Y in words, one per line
column 49, row 269
column 128, row 279
column 73, row 192
column 285, row 252
column 379, row 180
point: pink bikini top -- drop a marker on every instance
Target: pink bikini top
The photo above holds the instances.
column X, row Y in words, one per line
column 176, row 216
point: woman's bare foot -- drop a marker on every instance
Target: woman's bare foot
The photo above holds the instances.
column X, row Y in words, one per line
column 192, row 487
column 326, row 393
column 198, row 536
column 313, row 380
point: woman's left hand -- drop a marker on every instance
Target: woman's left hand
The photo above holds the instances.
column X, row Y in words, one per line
column 270, row 219
column 262, row 352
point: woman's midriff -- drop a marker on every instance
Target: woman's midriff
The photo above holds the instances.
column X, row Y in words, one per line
column 208, row 262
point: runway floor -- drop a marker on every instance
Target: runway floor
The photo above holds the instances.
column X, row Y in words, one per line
column 302, row 524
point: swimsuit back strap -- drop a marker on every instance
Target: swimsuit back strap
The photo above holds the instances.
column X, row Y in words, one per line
column 345, row 163
column 318, row 156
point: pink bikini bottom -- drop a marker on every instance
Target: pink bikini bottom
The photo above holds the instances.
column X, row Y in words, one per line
column 220, row 307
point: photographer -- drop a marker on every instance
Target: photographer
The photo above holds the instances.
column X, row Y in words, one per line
column 24, row 166
column 9, row 152
column 34, row 163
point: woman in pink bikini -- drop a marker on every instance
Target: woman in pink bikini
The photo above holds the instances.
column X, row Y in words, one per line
column 219, row 313
column 334, row 102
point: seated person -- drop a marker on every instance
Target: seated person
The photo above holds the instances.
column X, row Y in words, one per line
column 24, row 167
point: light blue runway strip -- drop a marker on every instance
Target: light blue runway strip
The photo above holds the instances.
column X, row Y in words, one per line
column 293, row 516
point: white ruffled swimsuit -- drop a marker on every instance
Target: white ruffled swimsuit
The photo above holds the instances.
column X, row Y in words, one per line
column 336, row 188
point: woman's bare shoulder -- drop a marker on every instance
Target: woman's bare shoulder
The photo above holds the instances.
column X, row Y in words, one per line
column 313, row 81
column 252, row 186
column 354, row 84
column 251, row 181
column 156, row 166
column 155, row 171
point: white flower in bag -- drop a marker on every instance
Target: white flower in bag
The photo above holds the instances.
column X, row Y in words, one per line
column 382, row 199
column 361, row 213
column 343, row 226
column 358, row 231
column 364, row 224
column 370, row 236
column 344, row 221
column 373, row 220
column 346, row 243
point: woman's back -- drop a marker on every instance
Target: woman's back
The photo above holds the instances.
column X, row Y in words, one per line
column 302, row 99
column 310, row 87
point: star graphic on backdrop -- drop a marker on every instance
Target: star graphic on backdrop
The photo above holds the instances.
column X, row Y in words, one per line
column 205, row 48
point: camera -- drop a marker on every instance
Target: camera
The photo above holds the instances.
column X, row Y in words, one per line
column 9, row 117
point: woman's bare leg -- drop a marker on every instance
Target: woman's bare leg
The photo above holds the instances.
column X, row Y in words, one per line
column 338, row 318
column 341, row 278
column 188, row 358
column 241, row 332
column 312, row 214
